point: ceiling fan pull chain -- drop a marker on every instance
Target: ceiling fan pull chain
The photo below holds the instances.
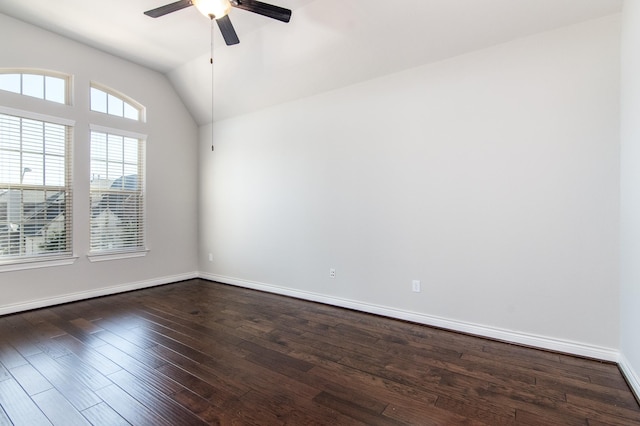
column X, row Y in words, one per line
column 211, row 62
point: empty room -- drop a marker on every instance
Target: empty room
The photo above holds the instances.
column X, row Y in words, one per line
column 312, row 212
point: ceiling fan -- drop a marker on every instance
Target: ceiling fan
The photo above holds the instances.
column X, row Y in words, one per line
column 219, row 9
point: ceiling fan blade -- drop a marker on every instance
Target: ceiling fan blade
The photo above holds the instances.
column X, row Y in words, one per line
column 168, row 8
column 227, row 30
column 264, row 9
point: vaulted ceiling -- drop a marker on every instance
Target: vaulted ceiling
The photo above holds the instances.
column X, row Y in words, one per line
column 328, row 43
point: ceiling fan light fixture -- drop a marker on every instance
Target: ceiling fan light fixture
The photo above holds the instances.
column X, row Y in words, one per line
column 214, row 9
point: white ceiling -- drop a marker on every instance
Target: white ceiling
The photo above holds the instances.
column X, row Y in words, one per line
column 328, row 43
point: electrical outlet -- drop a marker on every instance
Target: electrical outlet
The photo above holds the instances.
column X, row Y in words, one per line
column 210, row 257
column 332, row 273
column 415, row 286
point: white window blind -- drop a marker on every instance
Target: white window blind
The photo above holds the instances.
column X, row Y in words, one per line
column 35, row 188
column 117, row 193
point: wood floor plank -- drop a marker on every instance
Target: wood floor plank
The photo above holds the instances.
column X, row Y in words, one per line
column 78, row 333
column 78, row 393
column 90, row 355
column 112, row 331
column 4, row 373
column 480, row 411
column 19, row 407
column 300, row 346
column 58, row 409
column 255, row 408
column 168, row 336
column 204, row 409
column 187, row 349
column 252, row 409
column 595, row 407
column 9, row 356
column 547, row 417
column 547, row 365
column 611, row 380
column 4, row 418
column 37, row 316
column 354, row 410
column 426, row 377
column 122, row 351
column 611, row 397
column 274, row 360
column 85, row 325
column 221, row 382
column 194, row 384
column 358, row 382
column 129, row 408
column 30, row 379
column 84, row 373
column 189, row 325
column 18, row 339
column 103, row 414
column 434, row 416
column 493, row 372
column 161, row 404
column 148, row 373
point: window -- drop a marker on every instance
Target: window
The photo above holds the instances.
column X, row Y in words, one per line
column 109, row 102
column 117, row 191
column 38, row 84
column 35, row 186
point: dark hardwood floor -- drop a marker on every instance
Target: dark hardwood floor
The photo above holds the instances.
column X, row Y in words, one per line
column 198, row 352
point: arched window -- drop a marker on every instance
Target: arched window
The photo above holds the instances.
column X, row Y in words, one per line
column 108, row 101
column 41, row 84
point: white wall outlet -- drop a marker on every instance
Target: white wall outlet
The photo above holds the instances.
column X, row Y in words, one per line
column 415, row 286
column 332, row 273
column 210, row 257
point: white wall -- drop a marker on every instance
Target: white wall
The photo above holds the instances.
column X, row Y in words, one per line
column 492, row 177
column 171, row 170
column 630, row 195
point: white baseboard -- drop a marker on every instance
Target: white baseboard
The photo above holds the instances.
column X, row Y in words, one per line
column 631, row 375
column 73, row 297
column 527, row 339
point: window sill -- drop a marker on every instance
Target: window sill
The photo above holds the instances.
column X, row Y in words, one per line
column 33, row 263
column 102, row 257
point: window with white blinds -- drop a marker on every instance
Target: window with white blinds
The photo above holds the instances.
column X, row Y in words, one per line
column 35, row 187
column 117, row 192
